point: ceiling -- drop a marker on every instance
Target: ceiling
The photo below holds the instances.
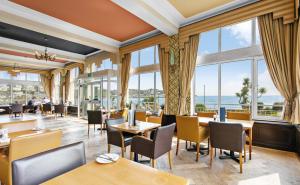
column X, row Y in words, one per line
column 100, row 16
column 189, row 8
column 25, row 35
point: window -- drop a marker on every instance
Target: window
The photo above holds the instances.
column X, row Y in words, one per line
column 33, row 77
column 269, row 100
column 4, row 75
column 206, row 89
column 20, row 76
column 73, row 89
column 5, row 94
column 212, row 38
column 236, row 36
column 145, row 89
column 106, row 64
column 114, row 92
column 235, row 79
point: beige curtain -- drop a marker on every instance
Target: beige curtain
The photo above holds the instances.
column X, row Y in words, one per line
column 279, row 43
column 46, row 83
column 164, row 73
column 67, row 85
column 188, row 57
column 125, row 73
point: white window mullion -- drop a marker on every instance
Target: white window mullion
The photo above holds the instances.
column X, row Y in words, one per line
column 219, row 85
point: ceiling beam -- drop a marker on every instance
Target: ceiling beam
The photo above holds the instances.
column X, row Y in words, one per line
column 146, row 11
column 24, row 47
column 12, row 13
column 10, row 60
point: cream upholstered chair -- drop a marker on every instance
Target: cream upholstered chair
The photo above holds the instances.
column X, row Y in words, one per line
column 188, row 129
column 24, row 146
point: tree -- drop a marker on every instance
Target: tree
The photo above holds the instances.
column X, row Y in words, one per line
column 261, row 91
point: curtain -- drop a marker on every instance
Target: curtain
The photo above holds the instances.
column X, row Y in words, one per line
column 188, row 57
column 296, row 112
column 278, row 43
column 67, row 85
column 46, row 83
column 164, row 73
column 125, row 73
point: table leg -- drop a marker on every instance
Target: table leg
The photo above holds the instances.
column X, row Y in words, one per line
column 136, row 157
column 250, row 143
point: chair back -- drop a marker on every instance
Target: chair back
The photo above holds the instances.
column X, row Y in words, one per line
column 16, row 108
column 206, row 114
column 229, row 136
column 239, row 115
column 41, row 167
column 47, row 107
column 59, row 108
column 27, row 145
column 163, row 139
column 94, row 117
column 140, row 116
column 188, row 128
column 168, row 120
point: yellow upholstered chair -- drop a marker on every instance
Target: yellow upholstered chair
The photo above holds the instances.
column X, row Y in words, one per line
column 24, row 146
column 155, row 119
column 206, row 114
column 188, row 129
column 122, row 113
column 239, row 115
column 140, row 116
column 125, row 114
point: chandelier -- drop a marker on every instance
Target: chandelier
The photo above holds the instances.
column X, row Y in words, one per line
column 45, row 56
column 15, row 69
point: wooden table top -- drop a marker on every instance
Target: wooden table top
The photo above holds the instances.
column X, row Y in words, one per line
column 140, row 127
column 203, row 121
column 6, row 119
column 24, row 133
column 122, row 172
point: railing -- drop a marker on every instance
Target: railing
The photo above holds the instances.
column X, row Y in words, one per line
column 274, row 110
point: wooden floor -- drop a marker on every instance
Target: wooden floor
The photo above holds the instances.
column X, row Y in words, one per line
column 267, row 167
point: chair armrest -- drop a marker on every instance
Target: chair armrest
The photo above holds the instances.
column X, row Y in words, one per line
column 143, row 146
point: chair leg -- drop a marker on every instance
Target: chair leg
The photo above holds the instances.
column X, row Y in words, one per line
column 131, row 155
column 245, row 154
column 122, row 151
column 211, row 155
column 215, row 152
column 94, row 127
column 108, row 148
column 198, row 151
column 153, row 163
column 88, row 130
column 221, row 151
column 186, row 143
column 241, row 162
column 177, row 146
column 101, row 128
column 170, row 159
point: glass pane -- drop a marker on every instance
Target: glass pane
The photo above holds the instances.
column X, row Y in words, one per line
column 147, row 91
column 206, row 88
column 156, row 55
column 104, row 95
column 32, row 92
column 114, row 93
column 160, row 96
column 106, row 64
column 147, row 56
column 19, row 94
column 135, row 59
column 208, row 42
column 4, row 94
column 20, row 76
column 257, row 39
column 33, row 77
column 4, row 75
column 269, row 100
column 133, row 90
column 236, row 86
column 236, row 36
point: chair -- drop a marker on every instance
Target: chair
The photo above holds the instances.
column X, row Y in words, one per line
column 188, row 129
column 120, row 114
column 25, row 146
column 47, row 108
column 41, row 167
column 229, row 137
column 206, row 114
column 115, row 137
column 239, row 115
column 161, row 144
column 16, row 109
column 94, row 118
column 155, row 119
column 59, row 109
column 140, row 116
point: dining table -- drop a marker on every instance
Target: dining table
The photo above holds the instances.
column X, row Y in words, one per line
column 247, row 126
column 15, row 124
column 120, row 172
column 139, row 128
